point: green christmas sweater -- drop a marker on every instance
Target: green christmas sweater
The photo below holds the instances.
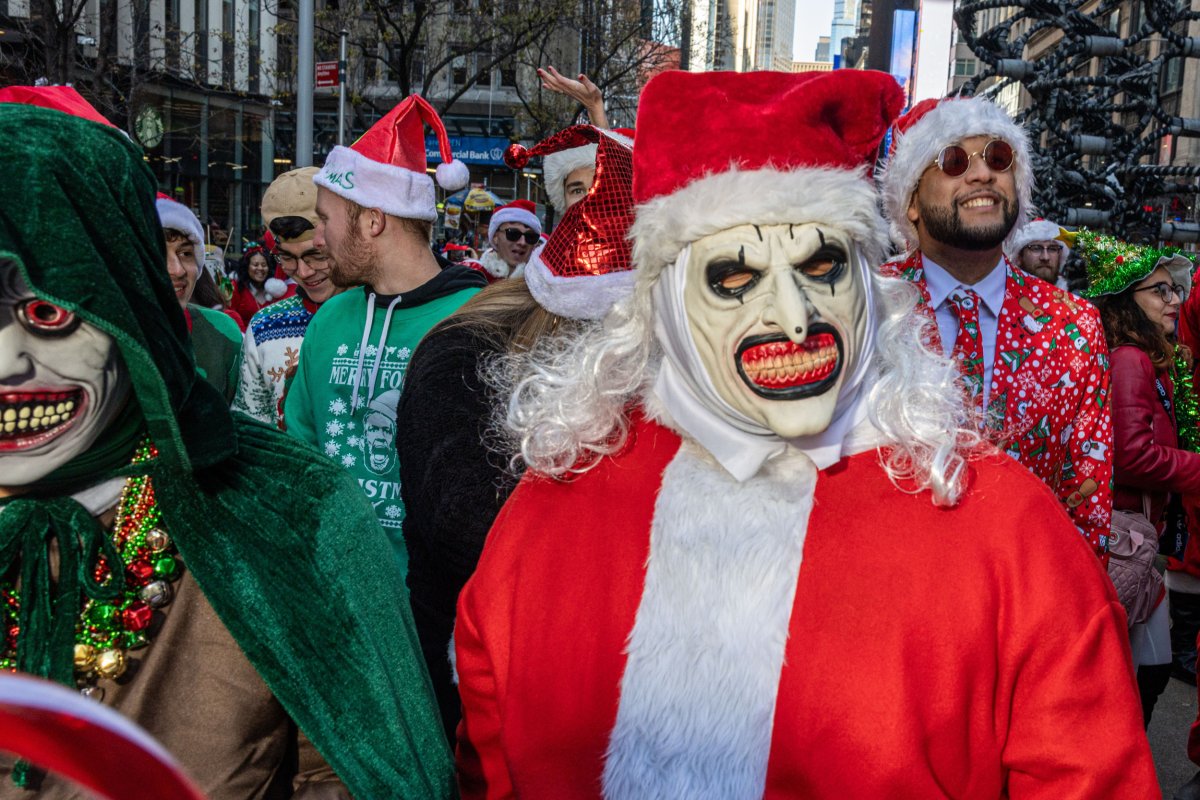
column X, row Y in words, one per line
column 344, row 394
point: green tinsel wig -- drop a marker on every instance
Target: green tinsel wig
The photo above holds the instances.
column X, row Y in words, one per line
column 1113, row 265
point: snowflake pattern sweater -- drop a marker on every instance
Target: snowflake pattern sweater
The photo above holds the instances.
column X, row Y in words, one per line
column 347, row 384
column 270, row 354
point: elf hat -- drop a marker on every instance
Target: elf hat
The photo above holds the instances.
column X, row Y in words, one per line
column 178, row 217
column 1038, row 230
column 1113, row 266
column 521, row 211
column 385, row 168
column 585, row 266
column 807, row 158
column 934, row 124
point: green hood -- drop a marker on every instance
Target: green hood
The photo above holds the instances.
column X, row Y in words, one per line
column 83, row 231
column 282, row 542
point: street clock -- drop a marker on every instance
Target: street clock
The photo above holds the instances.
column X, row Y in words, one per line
column 149, row 127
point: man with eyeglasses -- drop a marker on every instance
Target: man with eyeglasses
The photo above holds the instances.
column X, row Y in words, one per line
column 1037, row 250
column 956, row 188
column 271, row 347
column 513, row 232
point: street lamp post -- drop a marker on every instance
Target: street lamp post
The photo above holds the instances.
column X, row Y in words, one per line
column 304, row 85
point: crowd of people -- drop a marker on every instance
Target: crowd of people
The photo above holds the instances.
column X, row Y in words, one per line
column 780, row 467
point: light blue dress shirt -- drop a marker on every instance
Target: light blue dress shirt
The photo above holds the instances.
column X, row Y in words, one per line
column 940, row 284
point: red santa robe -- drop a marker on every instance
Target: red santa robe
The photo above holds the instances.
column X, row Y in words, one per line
column 647, row 630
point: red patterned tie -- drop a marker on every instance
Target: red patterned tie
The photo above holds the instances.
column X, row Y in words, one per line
column 968, row 347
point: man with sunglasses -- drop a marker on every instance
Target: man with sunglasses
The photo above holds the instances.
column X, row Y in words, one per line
column 1037, row 250
column 956, row 188
column 271, row 348
column 513, row 232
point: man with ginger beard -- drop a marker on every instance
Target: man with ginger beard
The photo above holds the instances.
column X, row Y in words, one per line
column 957, row 187
column 375, row 206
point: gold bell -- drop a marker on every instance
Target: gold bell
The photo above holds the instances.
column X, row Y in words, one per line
column 85, row 657
column 110, row 664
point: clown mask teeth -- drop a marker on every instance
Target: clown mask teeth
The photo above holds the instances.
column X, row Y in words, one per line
column 783, row 364
column 28, row 419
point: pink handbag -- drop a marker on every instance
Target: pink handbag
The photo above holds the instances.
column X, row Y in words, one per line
column 1132, row 546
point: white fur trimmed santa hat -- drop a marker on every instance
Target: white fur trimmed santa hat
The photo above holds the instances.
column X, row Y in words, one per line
column 934, row 124
column 1038, row 230
column 807, row 158
column 522, row 211
column 178, row 217
column 585, row 266
column 385, row 168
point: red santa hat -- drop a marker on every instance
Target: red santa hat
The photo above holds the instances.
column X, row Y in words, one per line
column 934, row 124
column 807, row 157
column 59, row 98
column 386, row 167
column 562, row 154
column 521, row 211
column 585, row 265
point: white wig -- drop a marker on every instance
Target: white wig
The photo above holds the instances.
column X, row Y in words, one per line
column 570, row 395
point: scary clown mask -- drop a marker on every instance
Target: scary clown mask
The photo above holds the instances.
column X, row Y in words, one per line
column 767, row 332
column 62, row 382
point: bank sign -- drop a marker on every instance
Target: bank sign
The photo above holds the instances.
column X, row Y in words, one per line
column 487, row 150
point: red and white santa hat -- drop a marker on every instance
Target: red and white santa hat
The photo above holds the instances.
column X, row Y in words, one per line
column 522, row 211
column 386, row 167
column 934, row 124
column 586, row 266
column 807, row 157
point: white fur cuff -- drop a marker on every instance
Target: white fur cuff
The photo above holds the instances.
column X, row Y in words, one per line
column 394, row 190
column 579, row 296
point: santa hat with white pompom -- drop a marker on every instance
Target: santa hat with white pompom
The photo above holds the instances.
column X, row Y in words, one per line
column 386, row 167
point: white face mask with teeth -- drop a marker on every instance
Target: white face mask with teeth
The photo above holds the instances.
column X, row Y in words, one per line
column 62, row 382
column 737, row 375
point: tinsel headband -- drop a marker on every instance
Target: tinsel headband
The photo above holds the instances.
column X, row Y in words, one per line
column 1113, row 265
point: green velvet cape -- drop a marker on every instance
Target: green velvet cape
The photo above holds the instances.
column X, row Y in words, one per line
column 282, row 542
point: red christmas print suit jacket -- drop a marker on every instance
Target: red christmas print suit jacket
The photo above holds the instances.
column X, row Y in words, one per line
column 1048, row 406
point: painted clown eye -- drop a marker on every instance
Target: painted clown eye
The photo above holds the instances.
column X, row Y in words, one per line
column 731, row 278
column 47, row 319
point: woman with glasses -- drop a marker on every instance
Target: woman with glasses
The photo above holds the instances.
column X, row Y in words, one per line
column 1138, row 291
column 256, row 285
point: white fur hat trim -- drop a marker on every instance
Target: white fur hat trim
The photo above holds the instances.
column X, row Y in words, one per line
column 373, row 184
column 178, row 217
column 577, row 296
column 1038, row 230
column 557, row 166
column 839, row 198
column 510, row 214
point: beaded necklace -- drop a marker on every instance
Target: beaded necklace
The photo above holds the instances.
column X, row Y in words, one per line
column 107, row 629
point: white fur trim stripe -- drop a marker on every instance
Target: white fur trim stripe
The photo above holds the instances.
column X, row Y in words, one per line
column 579, row 296
column 373, row 184
column 843, row 198
column 697, row 703
column 948, row 123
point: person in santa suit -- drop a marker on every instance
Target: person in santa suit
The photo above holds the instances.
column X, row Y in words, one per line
column 760, row 549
